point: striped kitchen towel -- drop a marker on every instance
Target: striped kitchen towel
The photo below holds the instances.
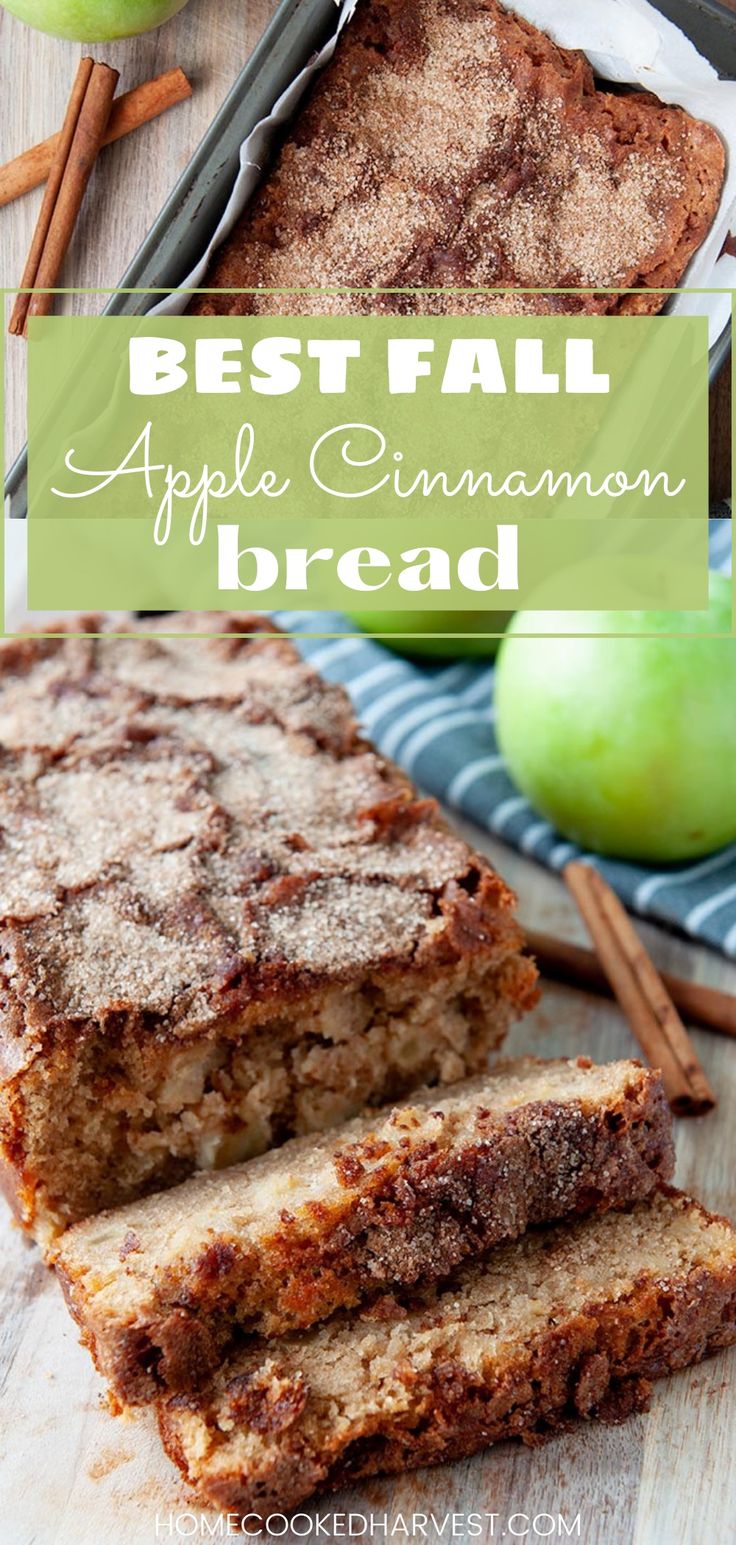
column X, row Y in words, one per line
column 437, row 723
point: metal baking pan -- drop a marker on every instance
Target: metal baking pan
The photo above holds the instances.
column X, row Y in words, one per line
column 193, row 210
column 712, row 27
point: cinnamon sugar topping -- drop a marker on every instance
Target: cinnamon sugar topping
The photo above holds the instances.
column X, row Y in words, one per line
column 186, row 822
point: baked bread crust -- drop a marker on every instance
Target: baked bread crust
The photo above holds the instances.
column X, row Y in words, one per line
column 161, row 1288
column 224, row 919
column 450, row 143
column 567, row 1323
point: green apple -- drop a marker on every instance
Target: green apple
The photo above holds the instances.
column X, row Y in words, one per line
column 421, row 626
column 627, row 745
column 94, row 21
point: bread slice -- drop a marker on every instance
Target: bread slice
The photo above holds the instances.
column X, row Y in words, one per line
column 161, row 1287
column 573, row 1321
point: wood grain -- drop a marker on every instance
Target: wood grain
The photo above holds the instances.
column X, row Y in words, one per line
column 72, row 1474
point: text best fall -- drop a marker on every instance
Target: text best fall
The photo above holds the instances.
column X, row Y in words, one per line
column 276, row 365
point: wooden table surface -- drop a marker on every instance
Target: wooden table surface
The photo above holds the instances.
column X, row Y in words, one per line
column 72, row 1474
column 69, row 1473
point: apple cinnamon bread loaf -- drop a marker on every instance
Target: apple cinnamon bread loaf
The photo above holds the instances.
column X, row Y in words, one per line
column 224, row 919
column 451, row 144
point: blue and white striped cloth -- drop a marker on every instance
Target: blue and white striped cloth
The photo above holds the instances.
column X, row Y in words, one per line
column 437, row 723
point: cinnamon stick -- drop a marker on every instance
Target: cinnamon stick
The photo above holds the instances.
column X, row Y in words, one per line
column 563, row 961
column 81, row 137
column 640, row 992
column 129, row 111
column 56, row 174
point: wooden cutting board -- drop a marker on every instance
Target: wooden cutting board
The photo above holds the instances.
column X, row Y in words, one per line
column 71, row 1474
